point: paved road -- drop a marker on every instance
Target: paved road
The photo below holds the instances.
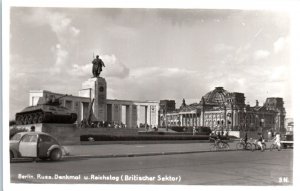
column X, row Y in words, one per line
column 136, row 149
column 211, row 168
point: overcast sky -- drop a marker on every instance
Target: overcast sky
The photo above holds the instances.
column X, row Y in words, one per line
column 150, row 54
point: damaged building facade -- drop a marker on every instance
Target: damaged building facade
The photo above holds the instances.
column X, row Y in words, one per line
column 221, row 110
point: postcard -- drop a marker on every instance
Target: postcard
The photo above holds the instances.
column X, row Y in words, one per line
column 149, row 96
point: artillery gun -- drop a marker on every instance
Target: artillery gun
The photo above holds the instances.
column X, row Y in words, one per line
column 46, row 111
column 89, row 118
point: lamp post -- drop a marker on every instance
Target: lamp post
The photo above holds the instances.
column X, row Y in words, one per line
column 245, row 119
column 262, row 120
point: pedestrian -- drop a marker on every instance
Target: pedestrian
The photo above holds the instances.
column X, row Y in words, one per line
column 194, row 130
column 277, row 140
column 260, row 141
column 246, row 138
column 32, row 128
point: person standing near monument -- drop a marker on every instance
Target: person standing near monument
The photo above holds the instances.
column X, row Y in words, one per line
column 97, row 66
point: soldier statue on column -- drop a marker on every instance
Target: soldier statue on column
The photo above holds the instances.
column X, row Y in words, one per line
column 97, row 66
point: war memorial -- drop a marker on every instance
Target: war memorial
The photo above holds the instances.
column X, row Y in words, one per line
column 70, row 117
column 67, row 116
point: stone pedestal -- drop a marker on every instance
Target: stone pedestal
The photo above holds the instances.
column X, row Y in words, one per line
column 95, row 88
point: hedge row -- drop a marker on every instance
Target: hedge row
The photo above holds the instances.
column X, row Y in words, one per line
column 170, row 133
column 190, row 129
column 15, row 130
column 141, row 137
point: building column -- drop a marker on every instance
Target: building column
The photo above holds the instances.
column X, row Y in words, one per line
column 129, row 118
column 112, row 112
column 181, row 121
column 225, row 118
column 236, row 120
column 138, row 116
column 212, row 120
column 202, row 118
column 232, row 115
column 186, row 119
column 157, row 115
column 146, row 115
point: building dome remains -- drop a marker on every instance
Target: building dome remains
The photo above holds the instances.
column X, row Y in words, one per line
column 218, row 96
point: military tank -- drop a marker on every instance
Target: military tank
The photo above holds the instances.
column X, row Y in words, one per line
column 46, row 111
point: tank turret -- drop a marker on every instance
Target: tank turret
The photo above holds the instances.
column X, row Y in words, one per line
column 51, row 101
column 46, row 111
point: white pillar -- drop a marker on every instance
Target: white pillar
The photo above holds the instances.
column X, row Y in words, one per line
column 146, row 115
column 130, row 117
column 193, row 119
column 138, row 115
column 181, row 120
column 112, row 112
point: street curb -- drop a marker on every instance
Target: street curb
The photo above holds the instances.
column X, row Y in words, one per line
column 150, row 154
column 139, row 154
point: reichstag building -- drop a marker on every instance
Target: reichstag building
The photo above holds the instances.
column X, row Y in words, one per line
column 222, row 110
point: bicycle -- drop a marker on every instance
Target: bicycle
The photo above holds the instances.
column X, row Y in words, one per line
column 255, row 146
column 275, row 146
column 218, row 145
column 241, row 145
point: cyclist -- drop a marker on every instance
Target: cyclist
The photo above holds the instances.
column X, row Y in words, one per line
column 246, row 138
column 218, row 139
column 277, row 140
column 259, row 141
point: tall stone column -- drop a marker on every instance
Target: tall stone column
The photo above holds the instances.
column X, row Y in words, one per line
column 202, row 118
column 129, row 116
column 138, row 115
column 193, row 120
column 113, row 112
column 96, row 88
column 134, row 114
column 181, row 120
column 146, row 115
column 225, row 118
column 232, row 115
column 153, row 113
